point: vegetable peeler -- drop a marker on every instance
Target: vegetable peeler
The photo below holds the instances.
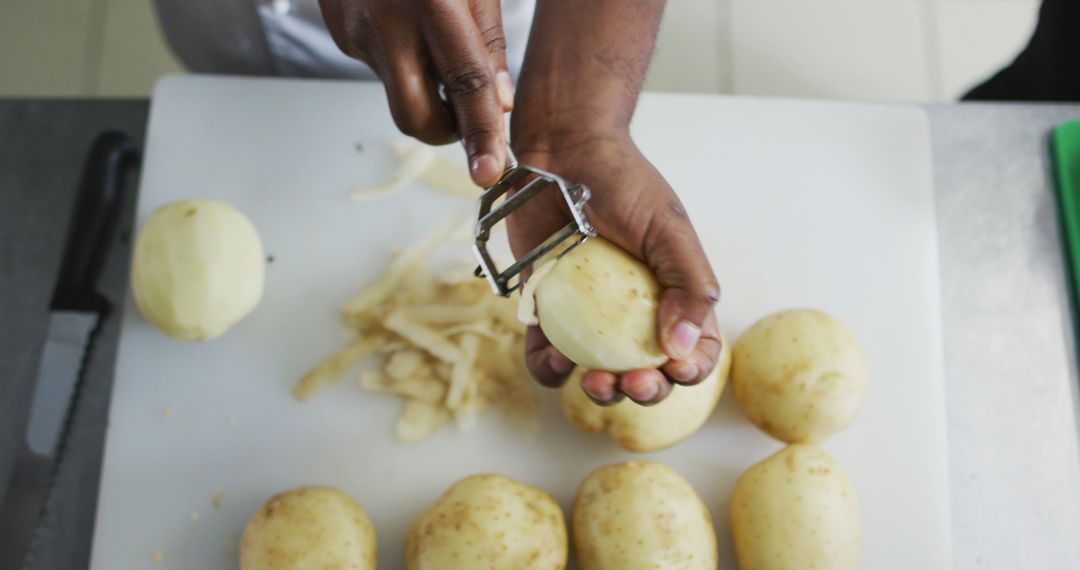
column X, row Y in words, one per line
column 529, row 181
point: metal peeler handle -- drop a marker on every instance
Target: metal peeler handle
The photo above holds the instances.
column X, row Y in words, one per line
column 490, row 212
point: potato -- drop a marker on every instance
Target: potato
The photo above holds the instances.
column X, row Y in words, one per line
column 489, row 522
column 197, row 269
column 309, row 527
column 795, row 510
column 598, row 306
column 649, row 428
column 641, row 514
column 799, row 375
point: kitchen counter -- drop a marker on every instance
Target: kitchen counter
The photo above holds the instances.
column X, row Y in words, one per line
column 1014, row 435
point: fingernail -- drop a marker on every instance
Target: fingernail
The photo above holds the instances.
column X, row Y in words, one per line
column 560, row 364
column 684, row 337
column 484, row 169
column 505, row 88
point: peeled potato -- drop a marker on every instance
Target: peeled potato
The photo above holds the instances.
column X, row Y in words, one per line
column 793, row 511
column 649, row 428
column 197, row 269
column 598, row 306
column 799, row 375
column 489, row 522
column 641, row 515
column 309, row 527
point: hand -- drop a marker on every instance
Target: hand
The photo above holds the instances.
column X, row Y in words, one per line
column 634, row 207
column 415, row 46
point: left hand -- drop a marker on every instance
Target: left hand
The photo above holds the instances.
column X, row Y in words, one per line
column 414, row 46
column 635, row 208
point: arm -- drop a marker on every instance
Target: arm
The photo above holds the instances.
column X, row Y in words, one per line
column 583, row 70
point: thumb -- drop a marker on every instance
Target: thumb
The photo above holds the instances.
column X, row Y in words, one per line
column 690, row 289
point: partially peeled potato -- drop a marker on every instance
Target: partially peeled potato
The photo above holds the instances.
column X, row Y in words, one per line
column 598, row 306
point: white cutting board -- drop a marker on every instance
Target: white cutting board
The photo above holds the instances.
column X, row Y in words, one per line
column 826, row 205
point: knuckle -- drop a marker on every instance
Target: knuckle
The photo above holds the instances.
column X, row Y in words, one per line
column 411, row 124
column 467, row 81
column 704, row 294
column 405, row 91
column 710, row 291
column 494, row 38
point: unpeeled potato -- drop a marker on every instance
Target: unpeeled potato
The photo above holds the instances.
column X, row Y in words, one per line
column 489, row 522
column 796, row 510
column 307, row 528
column 197, row 268
column 800, row 375
column 649, row 428
column 641, row 515
column 598, row 306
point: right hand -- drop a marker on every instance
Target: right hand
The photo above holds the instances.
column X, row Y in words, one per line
column 415, row 46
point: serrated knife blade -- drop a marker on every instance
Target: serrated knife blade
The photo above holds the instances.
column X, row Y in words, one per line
column 76, row 312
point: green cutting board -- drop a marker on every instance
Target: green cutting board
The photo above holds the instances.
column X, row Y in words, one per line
column 1065, row 147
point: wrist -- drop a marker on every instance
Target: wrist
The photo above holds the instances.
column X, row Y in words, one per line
column 555, row 136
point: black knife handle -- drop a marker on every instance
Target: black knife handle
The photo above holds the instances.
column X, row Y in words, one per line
column 96, row 209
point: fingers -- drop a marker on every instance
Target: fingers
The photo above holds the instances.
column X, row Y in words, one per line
column 601, row 387
column 338, row 24
column 387, row 38
column 646, row 387
column 488, row 17
column 546, row 364
column 461, row 57
column 410, row 89
column 702, row 360
column 414, row 101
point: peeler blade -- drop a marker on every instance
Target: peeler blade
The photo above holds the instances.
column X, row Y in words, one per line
column 526, row 182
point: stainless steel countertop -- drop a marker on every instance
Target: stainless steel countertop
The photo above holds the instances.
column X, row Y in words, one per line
column 1010, row 348
column 1012, row 386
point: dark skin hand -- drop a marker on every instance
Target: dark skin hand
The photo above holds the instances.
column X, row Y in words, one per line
column 582, row 73
column 414, row 46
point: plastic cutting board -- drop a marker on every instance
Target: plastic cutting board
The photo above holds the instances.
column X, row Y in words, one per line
column 798, row 203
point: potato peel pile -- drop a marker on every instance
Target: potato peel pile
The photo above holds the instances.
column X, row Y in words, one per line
column 448, row 347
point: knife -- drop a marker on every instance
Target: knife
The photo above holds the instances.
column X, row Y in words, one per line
column 76, row 312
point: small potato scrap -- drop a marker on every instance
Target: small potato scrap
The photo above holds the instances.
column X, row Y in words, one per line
column 795, row 510
column 489, row 522
column 449, row 348
column 800, row 375
column 306, row 528
column 649, row 428
column 641, row 515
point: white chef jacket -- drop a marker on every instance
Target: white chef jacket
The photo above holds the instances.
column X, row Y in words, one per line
column 286, row 37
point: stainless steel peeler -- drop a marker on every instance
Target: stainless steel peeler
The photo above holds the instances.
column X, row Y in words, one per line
column 530, row 181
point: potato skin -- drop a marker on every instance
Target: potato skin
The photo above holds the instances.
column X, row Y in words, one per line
column 800, row 375
column 796, row 510
column 198, row 268
column 489, row 522
column 641, row 515
column 649, row 428
column 598, row 305
column 309, row 527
